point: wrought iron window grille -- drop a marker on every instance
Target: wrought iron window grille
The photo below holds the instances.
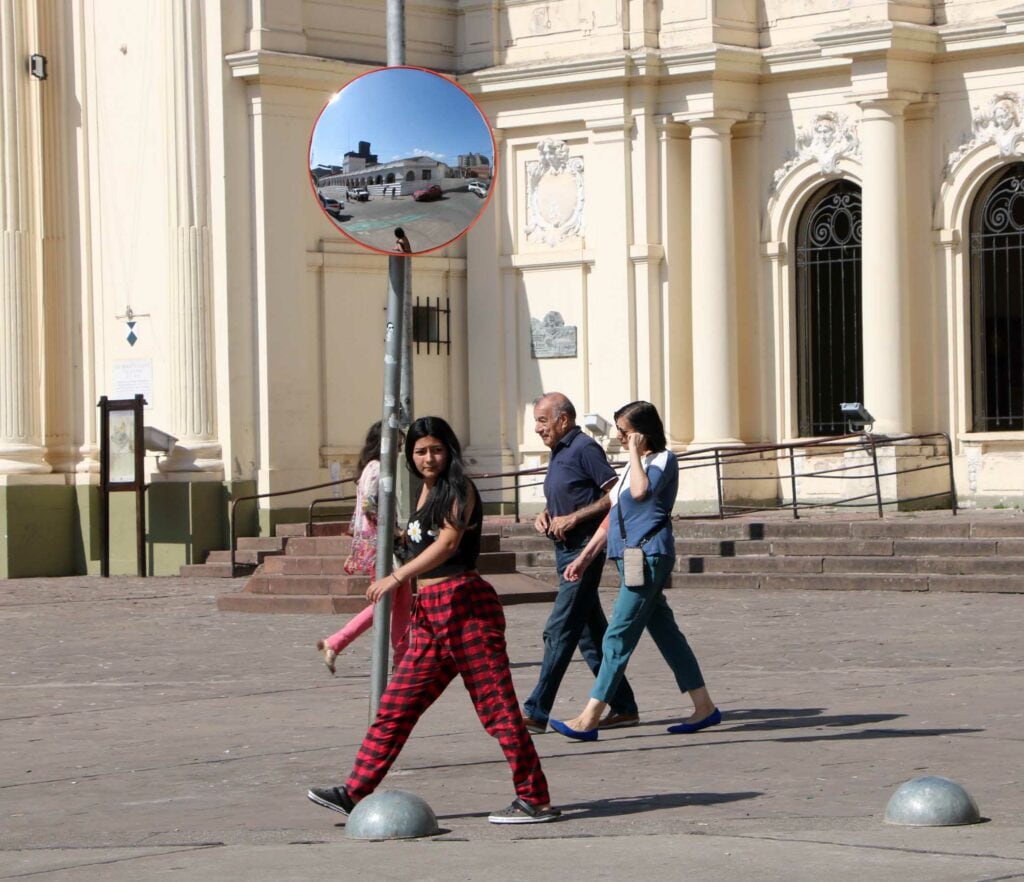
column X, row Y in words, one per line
column 432, row 324
column 997, row 302
column 828, row 274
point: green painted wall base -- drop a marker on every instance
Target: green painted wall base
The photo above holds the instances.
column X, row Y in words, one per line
column 36, row 524
column 55, row 531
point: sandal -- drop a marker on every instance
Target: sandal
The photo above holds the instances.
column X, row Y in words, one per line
column 329, row 655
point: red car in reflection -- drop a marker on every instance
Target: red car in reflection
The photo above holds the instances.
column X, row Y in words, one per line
column 429, row 194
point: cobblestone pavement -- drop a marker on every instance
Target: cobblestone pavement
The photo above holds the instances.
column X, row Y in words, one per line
column 144, row 735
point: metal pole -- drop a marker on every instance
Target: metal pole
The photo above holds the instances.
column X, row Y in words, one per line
column 718, row 483
column 874, row 465
column 952, row 481
column 406, row 389
column 396, row 33
column 104, row 488
column 792, row 481
column 388, row 461
column 391, row 413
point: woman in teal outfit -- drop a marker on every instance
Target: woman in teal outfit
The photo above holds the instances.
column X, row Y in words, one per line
column 641, row 515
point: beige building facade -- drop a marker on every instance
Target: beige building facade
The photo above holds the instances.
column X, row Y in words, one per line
column 659, row 170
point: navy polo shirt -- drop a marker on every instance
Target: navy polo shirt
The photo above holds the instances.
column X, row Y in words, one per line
column 577, row 472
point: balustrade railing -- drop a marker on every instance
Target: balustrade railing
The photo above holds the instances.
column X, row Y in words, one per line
column 780, row 464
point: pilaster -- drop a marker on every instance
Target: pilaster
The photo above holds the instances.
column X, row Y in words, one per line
column 752, row 316
column 676, row 338
column 609, row 231
column 488, row 275
column 21, row 450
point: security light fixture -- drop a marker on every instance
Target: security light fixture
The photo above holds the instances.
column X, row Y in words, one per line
column 37, row 66
column 596, row 423
column 857, row 417
column 155, row 439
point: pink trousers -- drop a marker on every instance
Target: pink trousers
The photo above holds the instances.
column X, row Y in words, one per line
column 401, row 606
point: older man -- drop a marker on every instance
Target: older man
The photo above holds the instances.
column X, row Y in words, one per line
column 575, row 491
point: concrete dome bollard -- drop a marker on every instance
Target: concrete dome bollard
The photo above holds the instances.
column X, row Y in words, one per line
column 391, row 814
column 931, row 802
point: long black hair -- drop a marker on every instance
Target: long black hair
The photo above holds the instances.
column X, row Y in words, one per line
column 371, row 447
column 643, row 417
column 450, row 494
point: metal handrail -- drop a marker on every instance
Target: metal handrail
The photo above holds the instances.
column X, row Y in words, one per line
column 316, row 502
column 234, row 506
column 717, row 457
column 722, row 455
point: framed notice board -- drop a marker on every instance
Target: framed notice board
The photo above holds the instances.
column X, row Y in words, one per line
column 122, row 469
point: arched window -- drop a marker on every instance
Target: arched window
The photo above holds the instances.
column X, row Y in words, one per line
column 830, row 367
column 380, row 180
column 410, row 175
column 390, row 178
column 426, row 174
column 997, row 302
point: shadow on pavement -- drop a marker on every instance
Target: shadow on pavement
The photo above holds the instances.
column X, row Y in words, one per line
column 631, row 805
column 783, row 719
column 809, row 722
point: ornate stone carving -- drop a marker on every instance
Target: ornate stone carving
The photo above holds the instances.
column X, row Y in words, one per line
column 554, row 194
column 827, row 139
column 551, row 337
column 999, row 124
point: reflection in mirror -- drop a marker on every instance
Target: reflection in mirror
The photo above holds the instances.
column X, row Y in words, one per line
column 401, row 159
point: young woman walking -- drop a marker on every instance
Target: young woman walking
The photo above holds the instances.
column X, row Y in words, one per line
column 458, row 628
column 641, row 512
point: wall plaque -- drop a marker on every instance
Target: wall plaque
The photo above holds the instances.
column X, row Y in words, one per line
column 551, row 337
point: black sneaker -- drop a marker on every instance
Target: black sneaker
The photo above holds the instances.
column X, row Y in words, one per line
column 334, row 798
column 523, row 813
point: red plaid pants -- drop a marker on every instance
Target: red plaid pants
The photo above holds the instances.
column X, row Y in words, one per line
column 458, row 627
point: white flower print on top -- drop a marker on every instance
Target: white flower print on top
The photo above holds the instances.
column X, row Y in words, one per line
column 415, row 532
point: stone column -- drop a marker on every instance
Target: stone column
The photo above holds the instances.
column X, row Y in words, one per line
column 21, row 450
column 55, row 140
column 193, row 405
column 884, row 300
column 713, row 298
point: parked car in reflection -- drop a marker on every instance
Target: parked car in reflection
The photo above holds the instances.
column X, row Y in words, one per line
column 332, row 206
column 478, row 187
column 360, row 195
column 429, row 194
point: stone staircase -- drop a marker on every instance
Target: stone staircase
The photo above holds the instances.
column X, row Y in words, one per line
column 928, row 551
column 932, row 551
column 293, row 572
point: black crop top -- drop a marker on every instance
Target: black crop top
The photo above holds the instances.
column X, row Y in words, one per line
column 465, row 556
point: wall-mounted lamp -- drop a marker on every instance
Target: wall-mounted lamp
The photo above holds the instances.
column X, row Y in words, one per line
column 596, row 423
column 857, row 416
column 37, row 66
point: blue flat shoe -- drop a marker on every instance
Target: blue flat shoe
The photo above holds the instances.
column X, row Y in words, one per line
column 713, row 719
column 569, row 732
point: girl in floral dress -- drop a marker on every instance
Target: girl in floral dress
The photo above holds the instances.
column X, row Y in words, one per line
column 363, row 561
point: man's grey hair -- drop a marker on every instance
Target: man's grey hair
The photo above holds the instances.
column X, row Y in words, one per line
column 561, row 404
